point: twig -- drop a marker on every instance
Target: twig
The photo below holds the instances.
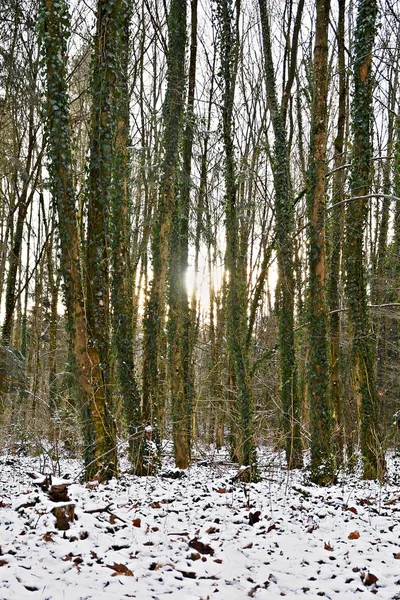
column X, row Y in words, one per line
column 104, row 509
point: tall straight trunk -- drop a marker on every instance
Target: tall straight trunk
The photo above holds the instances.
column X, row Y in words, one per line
column 204, row 228
column 236, row 303
column 336, row 242
column 356, row 220
column 396, row 231
column 396, row 192
column 180, row 328
column 322, row 464
column 153, row 397
column 54, row 32
column 381, row 291
column 54, row 286
column 24, row 320
column 121, row 291
column 284, row 206
column 106, row 75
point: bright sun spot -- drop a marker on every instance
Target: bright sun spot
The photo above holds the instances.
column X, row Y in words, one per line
column 199, row 285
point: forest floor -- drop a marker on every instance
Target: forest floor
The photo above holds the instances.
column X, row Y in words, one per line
column 199, row 537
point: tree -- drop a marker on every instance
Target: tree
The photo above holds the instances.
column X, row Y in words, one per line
column 122, row 284
column 54, row 32
column 336, row 241
column 19, row 121
column 284, row 204
column 180, row 330
column 356, row 215
column 236, row 303
column 322, row 464
column 107, row 145
column 155, row 314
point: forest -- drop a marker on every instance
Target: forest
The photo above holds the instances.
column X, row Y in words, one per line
column 200, row 233
column 199, row 299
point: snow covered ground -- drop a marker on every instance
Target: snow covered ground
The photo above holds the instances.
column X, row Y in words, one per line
column 199, row 537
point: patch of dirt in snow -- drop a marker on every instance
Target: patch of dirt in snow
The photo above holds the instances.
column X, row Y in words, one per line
column 199, row 537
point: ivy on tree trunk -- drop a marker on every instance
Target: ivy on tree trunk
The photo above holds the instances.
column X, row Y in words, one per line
column 356, row 218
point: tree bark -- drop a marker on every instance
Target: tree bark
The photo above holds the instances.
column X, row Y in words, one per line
column 336, row 243
column 180, row 329
column 356, row 219
column 54, row 27
column 322, row 463
column 153, row 394
column 122, row 280
column 284, row 204
column 236, row 308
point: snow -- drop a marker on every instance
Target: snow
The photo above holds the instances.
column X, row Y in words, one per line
column 191, row 538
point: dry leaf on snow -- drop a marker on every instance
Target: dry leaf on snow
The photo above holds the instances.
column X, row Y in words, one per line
column 120, row 569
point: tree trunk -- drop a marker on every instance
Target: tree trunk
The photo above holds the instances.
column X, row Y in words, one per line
column 322, row 463
column 180, row 327
column 153, row 396
column 104, row 151
column 236, row 308
column 31, row 171
column 284, row 205
column 356, row 219
column 54, row 27
column 122, row 293
column 336, row 239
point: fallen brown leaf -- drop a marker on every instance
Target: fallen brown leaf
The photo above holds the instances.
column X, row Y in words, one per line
column 212, row 530
column 68, row 557
column 352, row 510
column 368, row 578
column 354, row 535
column 136, row 522
column 195, row 556
column 365, row 502
column 188, row 574
column 196, row 544
column 254, row 517
column 253, row 591
column 328, row 547
column 120, row 569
